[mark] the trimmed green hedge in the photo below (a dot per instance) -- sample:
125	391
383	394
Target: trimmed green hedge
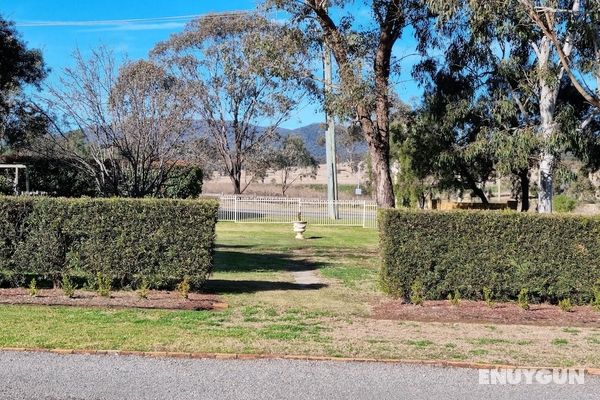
553	256
159	240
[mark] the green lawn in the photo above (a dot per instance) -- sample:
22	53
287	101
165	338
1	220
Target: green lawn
269	313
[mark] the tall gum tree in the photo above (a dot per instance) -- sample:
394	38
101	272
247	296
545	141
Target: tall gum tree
250	74
549	77
365	62
570	43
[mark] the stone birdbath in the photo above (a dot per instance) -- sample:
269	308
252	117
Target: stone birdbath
300	227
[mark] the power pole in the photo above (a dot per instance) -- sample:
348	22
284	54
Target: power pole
332	186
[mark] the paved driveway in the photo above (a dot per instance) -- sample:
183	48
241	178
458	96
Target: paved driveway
51	376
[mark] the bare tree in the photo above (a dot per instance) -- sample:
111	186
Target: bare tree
130	123
247	72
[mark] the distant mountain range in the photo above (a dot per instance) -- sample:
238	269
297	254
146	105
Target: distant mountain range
311	134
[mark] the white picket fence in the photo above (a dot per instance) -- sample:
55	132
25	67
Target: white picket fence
285	210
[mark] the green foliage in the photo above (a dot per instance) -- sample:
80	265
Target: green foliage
487	296
184	288
565	305
67	285
596	298
162	240
454	298
33	289
563	203
523	299
417	296
411	181
6	185
184	183
554	256
20	68
103	284
55	176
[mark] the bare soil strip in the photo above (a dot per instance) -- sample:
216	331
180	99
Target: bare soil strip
119	299
480	312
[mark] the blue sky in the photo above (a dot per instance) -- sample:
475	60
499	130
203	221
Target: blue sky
136	39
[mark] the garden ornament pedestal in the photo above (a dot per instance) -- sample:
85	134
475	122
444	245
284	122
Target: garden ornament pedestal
300	227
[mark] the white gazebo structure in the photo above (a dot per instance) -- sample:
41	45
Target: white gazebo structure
17	168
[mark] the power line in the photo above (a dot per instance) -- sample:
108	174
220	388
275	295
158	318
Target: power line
131	21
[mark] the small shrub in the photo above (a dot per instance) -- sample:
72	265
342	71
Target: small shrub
454	298
67	286
103	285
523	299
33	289
184	288
563	203
417	296
143	289
596	298
487	296
565	305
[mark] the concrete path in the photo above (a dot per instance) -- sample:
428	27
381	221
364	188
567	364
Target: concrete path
306	277
52	377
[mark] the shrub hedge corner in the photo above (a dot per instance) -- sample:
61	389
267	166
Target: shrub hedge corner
553	256
159	240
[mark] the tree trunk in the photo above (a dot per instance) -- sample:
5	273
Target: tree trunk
548	95
545	183
477	191
236	178
524	183
384	192
379	151
471	184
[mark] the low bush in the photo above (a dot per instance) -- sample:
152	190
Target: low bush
553	256
124	240
563	204
565	305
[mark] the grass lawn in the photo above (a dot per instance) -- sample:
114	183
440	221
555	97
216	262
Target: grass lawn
270	313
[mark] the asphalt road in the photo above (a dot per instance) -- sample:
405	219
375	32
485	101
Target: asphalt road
50	376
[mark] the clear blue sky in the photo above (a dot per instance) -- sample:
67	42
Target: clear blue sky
136	39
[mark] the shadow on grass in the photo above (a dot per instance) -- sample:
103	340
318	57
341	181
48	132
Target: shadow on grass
239	261
221	286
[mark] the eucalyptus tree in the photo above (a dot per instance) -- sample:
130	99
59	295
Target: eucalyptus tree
19	67
364	54
293	161
569	47
249	75
529	96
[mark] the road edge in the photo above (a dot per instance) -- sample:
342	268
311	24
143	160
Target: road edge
238	356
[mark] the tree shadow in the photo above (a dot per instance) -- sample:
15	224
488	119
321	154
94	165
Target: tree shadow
240	261
228	259
221	286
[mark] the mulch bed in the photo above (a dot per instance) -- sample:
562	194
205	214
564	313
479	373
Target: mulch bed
479	312
118	299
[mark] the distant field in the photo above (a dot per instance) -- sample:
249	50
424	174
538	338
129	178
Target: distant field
307	187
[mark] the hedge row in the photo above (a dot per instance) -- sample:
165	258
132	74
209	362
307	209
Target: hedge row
554	256
161	241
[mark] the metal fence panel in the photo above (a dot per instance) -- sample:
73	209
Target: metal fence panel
286	210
